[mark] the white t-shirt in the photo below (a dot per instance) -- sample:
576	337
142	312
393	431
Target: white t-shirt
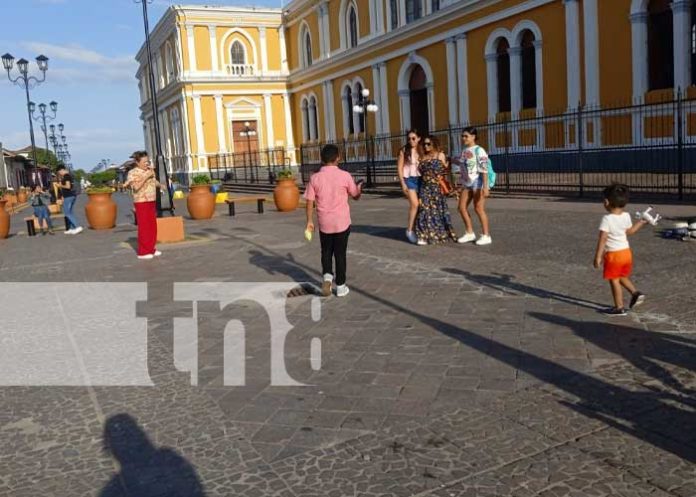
472	163
616	225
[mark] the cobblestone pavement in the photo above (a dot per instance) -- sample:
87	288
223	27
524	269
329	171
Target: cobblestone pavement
448	371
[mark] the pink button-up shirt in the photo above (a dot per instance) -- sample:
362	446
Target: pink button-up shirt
330	188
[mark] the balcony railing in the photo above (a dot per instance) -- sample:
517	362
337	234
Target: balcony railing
241	70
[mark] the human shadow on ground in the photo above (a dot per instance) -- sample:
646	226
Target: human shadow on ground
643	349
630	411
389	232
504	283
145	470
277	264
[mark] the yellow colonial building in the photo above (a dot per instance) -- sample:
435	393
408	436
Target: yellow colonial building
296	74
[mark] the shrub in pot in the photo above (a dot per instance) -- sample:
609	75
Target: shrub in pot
101	210
286	195
201	201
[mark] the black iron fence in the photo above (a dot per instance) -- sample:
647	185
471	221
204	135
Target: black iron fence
651	147
256	166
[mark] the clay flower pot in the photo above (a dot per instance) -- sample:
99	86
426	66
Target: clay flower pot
4	220
21	197
201	202
286	195
101	211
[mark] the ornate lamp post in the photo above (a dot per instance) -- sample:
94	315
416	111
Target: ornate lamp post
27	83
43	117
362	107
248	133
164	202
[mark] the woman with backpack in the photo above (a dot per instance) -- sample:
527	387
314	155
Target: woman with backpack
474	167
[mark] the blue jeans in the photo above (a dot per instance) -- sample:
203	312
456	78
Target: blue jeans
68	204
41	213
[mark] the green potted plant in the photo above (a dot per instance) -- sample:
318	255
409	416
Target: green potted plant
101	210
286	194
201	201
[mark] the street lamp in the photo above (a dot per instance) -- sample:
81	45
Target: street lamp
362	107
43	117
26	82
249	132
164	202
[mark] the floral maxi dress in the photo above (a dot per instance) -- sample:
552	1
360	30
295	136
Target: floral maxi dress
433	224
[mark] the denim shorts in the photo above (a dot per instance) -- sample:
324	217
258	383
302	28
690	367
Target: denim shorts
476	185
412	182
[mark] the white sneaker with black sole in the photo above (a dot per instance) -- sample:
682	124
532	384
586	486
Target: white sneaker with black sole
342	290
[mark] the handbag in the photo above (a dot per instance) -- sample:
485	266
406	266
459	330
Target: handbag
445	185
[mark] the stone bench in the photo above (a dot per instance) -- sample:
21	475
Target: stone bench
258	199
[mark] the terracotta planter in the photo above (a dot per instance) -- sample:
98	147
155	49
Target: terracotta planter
22	197
201	202
286	195
101	211
4	221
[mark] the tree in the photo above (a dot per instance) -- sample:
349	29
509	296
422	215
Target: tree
47	158
79	174
102	178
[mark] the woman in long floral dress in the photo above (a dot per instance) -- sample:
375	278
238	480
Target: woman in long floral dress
434	224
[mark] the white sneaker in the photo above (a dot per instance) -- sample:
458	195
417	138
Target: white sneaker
326	285
77	230
411	236
468	237
342	290
146	257
421	242
69	232
484	240
157	253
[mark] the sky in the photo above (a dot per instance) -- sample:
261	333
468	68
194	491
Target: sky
91	45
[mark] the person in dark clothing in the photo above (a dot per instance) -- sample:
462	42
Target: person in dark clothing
67	191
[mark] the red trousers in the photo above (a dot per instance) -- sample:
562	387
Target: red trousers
146	216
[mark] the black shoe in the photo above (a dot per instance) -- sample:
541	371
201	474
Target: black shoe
43	232
615	311
637	299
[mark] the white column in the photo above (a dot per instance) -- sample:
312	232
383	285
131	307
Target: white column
198	118
402	15
264	49
324	41
591	52
268	109
165	133
380	16
405	109
384	104
462	77
539	75
572	24
212	30
327	118
639	35
289	142
332	118
191	48
452	80
426	7
372	16
681	15
320	21
220	116
431	105
492	84
515	80
283	50
388	15
377	96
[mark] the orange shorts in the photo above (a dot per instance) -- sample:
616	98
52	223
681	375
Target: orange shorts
618	264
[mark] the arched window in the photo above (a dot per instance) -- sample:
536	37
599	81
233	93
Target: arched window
413	10
305	120
529	82
169	63
237	53
314	119
660	45
434	5
394	13
361	116
418	99
352	27
348	109
306	43
503	63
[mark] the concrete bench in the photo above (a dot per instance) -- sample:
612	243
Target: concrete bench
258	199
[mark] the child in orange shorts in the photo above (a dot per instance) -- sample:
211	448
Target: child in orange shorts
614	249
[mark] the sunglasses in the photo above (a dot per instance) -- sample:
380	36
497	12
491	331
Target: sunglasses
427	144
413	139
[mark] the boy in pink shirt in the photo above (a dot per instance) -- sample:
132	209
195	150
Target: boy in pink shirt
329	188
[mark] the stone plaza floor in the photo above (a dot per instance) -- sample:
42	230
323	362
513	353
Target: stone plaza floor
448	371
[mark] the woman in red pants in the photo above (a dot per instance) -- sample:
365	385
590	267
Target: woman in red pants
144	185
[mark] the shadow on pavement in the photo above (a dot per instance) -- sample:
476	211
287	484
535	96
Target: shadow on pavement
389	232
504	283
146	471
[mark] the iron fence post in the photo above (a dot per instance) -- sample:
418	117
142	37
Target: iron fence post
581	178
507	156
680	145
